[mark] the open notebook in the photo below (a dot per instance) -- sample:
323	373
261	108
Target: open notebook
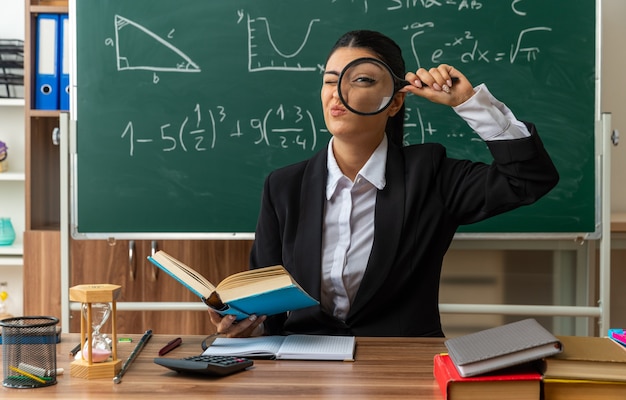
292	347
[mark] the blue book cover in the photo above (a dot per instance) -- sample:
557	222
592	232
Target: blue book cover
263	291
618	335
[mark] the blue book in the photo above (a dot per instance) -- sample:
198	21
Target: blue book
263	291
618	335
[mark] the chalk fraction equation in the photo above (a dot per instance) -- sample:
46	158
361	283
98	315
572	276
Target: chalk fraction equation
282	127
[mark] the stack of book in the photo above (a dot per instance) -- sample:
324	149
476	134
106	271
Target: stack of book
496	363
523	361
588	368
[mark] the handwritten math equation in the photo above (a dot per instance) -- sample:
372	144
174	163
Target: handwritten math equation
464	46
294	127
284	128
458	5
266	51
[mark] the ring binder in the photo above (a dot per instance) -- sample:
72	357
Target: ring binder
64	63
47	73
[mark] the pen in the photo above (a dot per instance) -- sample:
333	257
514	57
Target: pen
144	339
40	372
170	346
77	348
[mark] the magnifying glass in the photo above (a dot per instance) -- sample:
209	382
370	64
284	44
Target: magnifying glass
367	86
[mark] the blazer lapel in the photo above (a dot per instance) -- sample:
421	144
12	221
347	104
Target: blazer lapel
308	242
388	223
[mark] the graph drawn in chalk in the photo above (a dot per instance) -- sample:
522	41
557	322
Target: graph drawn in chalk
137	48
265	54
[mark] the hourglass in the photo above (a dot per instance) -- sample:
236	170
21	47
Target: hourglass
100	348
98	358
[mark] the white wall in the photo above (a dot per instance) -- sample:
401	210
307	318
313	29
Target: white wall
12	19
12	126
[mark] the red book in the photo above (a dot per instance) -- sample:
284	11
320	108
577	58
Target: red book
521	382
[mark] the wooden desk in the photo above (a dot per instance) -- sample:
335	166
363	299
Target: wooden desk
385	368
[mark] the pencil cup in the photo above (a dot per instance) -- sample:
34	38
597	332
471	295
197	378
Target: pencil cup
29	355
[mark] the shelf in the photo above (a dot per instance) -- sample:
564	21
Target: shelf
50	227
16	249
11	102
13	261
12	176
44	113
49	9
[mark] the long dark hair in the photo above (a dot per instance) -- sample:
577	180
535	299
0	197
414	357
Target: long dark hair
390	53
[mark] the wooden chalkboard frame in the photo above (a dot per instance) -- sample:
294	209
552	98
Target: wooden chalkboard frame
590	231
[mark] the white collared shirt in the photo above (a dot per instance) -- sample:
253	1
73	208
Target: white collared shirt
348	232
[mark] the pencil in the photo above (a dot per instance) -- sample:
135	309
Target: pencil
29	375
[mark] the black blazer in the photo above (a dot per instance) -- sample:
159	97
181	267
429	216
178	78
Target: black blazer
426	197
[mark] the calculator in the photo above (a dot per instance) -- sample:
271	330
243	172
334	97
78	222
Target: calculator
205	364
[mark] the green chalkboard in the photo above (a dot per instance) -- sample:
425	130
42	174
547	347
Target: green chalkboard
184	106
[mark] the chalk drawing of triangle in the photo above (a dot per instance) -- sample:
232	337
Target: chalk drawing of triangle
137	48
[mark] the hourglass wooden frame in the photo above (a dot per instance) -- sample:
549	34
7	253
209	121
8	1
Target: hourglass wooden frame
88	294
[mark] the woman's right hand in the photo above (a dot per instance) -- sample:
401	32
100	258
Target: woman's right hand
436	85
226	325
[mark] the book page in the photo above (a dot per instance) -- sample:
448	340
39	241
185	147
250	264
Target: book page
262	346
233	292
317	347
292	347
252	275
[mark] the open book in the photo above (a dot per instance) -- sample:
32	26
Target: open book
291	347
263	291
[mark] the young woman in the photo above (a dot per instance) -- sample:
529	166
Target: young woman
364	224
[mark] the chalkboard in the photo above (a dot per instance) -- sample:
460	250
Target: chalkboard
184	106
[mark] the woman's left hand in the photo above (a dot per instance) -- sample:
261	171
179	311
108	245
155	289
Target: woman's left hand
251	326
443	85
